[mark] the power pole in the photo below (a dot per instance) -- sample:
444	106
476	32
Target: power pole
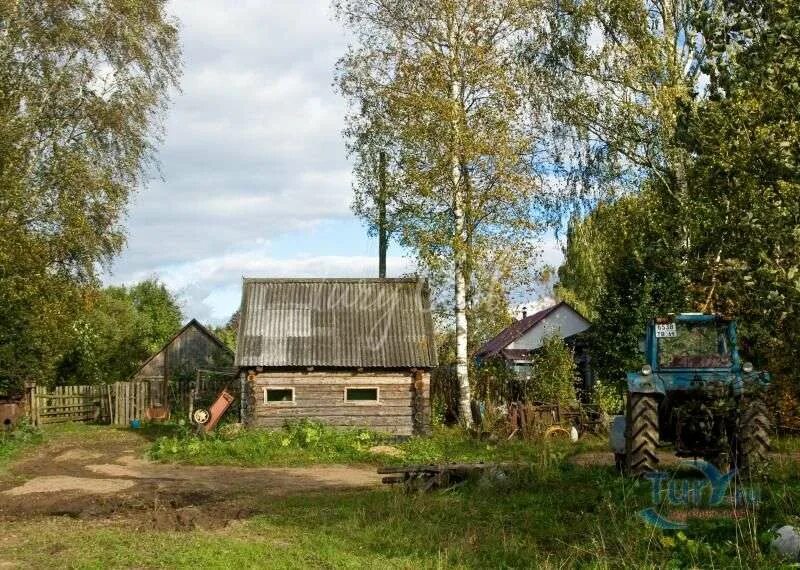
383	241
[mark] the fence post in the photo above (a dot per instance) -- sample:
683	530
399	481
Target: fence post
30	401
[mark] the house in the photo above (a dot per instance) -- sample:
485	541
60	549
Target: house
346	352
517	343
191	348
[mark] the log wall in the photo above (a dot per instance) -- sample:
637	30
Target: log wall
403	406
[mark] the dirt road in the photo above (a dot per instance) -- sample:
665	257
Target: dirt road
103	475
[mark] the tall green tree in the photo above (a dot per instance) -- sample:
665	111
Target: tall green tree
443	86
83	85
733	246
746	176
622	74
121	327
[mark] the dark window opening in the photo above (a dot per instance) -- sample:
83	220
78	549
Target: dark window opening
362	395
280	395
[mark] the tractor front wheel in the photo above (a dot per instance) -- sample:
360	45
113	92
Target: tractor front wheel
751	441
642	434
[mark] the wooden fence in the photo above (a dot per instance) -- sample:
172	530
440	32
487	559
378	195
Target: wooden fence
67	404
121	402
130	400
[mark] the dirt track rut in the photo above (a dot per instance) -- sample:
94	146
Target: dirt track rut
105	476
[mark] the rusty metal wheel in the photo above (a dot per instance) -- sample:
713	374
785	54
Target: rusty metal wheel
201	416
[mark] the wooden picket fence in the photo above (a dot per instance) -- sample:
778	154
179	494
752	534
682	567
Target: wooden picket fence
67	404
120	402
130	400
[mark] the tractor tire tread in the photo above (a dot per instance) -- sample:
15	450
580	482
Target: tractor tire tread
753	435
643	439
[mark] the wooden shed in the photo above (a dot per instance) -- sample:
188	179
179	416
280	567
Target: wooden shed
346	352
192	347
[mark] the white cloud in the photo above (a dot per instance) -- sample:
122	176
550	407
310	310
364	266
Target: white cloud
253	149
253	162
210	287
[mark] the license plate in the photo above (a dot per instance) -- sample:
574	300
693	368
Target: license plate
666	330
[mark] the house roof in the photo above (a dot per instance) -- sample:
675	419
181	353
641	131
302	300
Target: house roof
192	323
515	330
368	323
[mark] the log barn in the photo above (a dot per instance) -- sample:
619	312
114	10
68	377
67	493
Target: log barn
345	352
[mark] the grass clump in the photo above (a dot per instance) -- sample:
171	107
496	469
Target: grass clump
301	443
308	442
14	442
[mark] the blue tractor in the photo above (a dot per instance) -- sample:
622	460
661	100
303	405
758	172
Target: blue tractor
694	392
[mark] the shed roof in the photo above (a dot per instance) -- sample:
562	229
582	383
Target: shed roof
367	323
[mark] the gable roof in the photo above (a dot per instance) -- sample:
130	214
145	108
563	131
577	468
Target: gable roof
192	323
375	323
517	329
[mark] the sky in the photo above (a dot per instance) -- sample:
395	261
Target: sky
254	179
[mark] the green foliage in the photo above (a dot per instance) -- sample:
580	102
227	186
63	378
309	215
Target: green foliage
439	90
607	396
14	442
553	373
120	329
158	314
84	87
727	239
308	442
497	383
228	333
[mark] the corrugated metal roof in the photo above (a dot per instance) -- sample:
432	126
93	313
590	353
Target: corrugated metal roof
369	323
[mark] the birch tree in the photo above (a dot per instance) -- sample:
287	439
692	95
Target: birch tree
83	88
624	72
444	79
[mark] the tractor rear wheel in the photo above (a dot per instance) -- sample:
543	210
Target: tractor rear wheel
751	441
642	437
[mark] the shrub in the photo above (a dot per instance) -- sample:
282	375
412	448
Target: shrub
553	373
607	397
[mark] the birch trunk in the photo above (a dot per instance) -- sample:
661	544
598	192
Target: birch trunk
459	243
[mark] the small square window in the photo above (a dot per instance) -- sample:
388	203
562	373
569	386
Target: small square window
278	395
361	394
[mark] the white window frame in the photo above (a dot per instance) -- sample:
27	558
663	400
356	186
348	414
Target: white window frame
281	403
374	402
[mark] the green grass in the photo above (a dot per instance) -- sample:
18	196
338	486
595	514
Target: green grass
785	444
14	443
551	517
308	443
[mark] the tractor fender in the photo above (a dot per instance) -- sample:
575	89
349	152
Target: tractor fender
641	384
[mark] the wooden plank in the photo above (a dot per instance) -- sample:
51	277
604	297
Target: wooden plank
302	380
86	404
115	402
65	398
345	421
290	411
301	401
126	402
329	373
120	398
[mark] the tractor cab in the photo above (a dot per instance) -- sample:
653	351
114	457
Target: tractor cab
690	351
